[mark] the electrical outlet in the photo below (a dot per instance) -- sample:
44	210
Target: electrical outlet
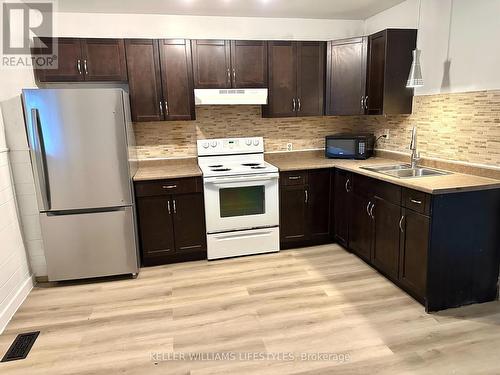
289	147
386	132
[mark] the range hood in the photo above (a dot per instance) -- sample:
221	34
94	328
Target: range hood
230	96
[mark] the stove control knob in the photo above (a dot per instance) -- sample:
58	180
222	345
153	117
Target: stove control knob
248	142
213	143
255	142
205	144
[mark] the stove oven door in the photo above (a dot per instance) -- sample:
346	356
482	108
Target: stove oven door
241	202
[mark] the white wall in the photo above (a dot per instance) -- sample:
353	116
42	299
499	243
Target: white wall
199	27
15	278
470	61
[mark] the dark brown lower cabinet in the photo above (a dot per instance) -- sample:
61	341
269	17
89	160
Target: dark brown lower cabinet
342	183
293	214
386	219
189	222
171	220
156	229
304	208
360	226
318	199
442	249
413	255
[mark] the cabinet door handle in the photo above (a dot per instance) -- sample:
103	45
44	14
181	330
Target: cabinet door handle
166	108
401	224
169	186
362	102
371	211
234	76
79	66
161	109
306	196
415	201
347	185
294	177
228	76
366	102
175	208
299	104
85	67
294	105
368	208
168	207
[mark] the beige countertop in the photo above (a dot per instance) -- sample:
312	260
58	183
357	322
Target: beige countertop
455	182
168	168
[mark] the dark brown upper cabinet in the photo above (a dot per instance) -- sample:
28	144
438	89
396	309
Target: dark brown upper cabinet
211	64
389	62
143	65
249	64
160	79
97	60
296	79
177	79
346	76
368	75
229	64
104	60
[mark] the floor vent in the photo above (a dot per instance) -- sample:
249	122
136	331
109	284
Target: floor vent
21	346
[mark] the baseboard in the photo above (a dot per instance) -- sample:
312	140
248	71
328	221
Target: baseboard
15	302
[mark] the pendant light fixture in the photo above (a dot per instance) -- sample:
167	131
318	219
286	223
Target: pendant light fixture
415	78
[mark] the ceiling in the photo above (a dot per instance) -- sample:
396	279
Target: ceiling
321	9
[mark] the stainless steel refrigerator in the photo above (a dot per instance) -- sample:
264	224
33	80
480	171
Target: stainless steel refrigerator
81	145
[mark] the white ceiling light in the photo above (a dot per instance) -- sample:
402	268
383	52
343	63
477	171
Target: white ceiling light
415	78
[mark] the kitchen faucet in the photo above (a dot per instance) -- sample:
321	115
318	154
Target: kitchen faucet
415	155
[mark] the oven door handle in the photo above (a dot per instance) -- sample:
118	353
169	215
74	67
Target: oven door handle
229	180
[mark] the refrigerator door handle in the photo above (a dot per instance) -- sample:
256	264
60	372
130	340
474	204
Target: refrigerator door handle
40	161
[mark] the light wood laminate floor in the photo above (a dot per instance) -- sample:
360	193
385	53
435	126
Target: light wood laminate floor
312	300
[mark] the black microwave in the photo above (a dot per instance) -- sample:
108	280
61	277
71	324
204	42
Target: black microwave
349	146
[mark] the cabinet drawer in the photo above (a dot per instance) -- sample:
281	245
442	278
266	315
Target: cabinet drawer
293	178
363	185
417	201
171	186
387	191
368	187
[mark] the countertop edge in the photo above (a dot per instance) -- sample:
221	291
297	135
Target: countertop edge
399	182
167	177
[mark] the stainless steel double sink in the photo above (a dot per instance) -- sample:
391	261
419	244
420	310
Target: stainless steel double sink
405	171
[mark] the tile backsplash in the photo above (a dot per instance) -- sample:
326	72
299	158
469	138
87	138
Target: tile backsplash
462	127
178	138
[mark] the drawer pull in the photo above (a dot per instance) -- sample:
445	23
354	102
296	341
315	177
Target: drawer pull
190	247
294	177
415	201
401	224
169	186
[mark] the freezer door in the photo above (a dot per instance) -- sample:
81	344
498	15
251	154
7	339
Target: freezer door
78	145
87	245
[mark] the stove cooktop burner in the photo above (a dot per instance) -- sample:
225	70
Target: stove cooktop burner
250	164
258	167
221	169
215	166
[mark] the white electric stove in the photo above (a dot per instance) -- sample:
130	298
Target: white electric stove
241	197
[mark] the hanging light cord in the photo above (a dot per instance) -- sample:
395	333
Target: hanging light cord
418	20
